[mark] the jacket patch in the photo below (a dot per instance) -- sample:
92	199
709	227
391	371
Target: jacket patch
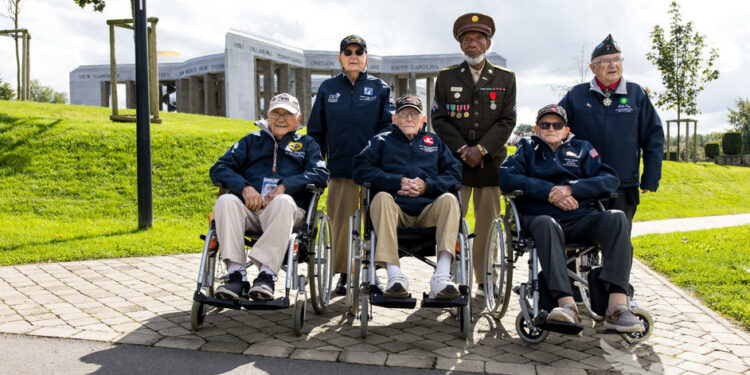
571	161
428	140
572	154
593	153
624	107
368	91
294	146
457	88
334	98
428	148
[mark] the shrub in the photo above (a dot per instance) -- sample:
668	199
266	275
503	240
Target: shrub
712	149
672	155
731	143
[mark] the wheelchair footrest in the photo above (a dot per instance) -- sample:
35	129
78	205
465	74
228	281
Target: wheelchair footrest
442	302
560	327
276	304
378	299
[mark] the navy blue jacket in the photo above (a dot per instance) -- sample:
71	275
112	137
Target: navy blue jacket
622	132
535	169
390	155
345	116
295	160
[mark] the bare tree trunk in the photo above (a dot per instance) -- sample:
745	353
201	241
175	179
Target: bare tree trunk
14	10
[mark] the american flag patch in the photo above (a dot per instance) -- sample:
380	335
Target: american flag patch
593	153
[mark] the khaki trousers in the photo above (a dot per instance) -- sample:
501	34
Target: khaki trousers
387	216
486	207
276	221
344	198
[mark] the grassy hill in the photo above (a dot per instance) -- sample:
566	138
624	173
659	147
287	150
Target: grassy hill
68	183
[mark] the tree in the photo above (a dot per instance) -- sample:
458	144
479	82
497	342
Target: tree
97	4
14	9
6	92
523	130
740	120
46	94
680	60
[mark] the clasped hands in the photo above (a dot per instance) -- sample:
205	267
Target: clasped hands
562	197
253	199
412	187
471	156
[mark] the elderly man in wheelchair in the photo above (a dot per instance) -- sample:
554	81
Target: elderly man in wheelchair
411	172
560	177
267	173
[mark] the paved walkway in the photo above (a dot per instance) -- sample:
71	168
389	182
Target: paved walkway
147	301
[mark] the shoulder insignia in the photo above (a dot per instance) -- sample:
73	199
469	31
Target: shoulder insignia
450	67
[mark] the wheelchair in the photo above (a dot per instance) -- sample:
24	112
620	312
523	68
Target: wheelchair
309	243
506	243
363	291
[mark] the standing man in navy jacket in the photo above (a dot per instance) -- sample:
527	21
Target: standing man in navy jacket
349	109
559	176
411	172
618	118
266	173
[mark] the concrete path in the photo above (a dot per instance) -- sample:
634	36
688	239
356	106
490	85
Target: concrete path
689	224
146	301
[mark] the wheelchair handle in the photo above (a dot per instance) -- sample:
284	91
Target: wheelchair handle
315	189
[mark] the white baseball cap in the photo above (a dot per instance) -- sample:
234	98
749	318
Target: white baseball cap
285	101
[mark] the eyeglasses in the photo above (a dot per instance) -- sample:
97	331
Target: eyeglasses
554	125
286	116
409	114
616	61
349	52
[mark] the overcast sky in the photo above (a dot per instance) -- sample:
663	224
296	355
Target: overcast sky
541	40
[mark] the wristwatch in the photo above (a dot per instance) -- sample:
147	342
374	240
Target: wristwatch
482	150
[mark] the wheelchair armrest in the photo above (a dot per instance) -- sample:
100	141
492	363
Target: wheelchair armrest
513	194
315	189
367	185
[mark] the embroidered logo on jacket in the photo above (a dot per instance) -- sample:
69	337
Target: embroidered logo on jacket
368	91
334	98
428	140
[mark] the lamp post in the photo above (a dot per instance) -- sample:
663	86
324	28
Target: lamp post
143	120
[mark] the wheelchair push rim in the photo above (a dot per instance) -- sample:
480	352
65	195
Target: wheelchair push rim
498	273
319	267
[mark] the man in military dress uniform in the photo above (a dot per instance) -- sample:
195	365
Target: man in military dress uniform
618	118
474	113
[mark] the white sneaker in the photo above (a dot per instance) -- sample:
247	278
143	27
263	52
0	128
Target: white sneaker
397	287
441	286
566	313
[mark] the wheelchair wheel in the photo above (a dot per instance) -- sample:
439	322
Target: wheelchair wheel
464	320
498	275
648	323
298	318
364	316
319	268
469	243
531	336
197	315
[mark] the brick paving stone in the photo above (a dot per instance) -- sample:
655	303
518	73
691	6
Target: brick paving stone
137	338
97	335
510	368
54	332
363	358
16	327
398	360
178	342
466	365
315	355
224	347
556	370
734	366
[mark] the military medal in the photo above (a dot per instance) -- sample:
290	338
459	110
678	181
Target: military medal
607	101
466	115
457	95
493	96
453	110
458	115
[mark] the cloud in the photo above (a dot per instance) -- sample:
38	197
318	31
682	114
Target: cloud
539	39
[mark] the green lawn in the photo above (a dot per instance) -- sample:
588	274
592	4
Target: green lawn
712	264
68	183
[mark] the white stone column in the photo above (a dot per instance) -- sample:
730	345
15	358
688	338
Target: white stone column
239	84
430	98
284	78
268	80
412	83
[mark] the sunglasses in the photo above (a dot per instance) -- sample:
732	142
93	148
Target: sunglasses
359	52
554	125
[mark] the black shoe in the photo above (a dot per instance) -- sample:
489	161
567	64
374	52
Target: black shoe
234	288
262	289
341	285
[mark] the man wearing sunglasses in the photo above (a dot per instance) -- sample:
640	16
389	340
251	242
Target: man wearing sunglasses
560	176
474	113
618	118
349	109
